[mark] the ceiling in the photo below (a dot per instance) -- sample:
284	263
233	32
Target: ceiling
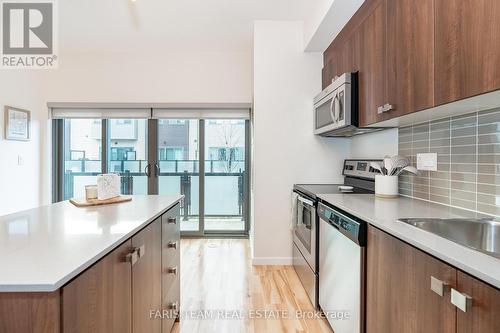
168	25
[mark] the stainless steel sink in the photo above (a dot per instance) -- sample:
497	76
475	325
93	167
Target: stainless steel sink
479	234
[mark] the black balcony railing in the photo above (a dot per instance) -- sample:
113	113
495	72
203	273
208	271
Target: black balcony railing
175	169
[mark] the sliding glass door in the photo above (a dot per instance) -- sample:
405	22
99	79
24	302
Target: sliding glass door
225	175
127	153
206	160
179	167
81	156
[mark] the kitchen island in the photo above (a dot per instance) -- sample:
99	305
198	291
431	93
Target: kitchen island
95	269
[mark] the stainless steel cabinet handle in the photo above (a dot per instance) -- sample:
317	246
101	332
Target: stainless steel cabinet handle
172	270
172	220
133	256
141	251
439	287
384	108
172	245
136	254
460	300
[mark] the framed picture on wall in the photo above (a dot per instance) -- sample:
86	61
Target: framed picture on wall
17	124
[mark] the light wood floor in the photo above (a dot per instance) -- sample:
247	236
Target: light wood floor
219	282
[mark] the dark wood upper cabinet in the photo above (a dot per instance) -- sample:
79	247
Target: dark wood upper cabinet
147	278
100	299
483	316
399	295
369	57
467	57
410	55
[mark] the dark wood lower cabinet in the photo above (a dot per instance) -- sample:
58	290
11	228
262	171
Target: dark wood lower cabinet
30	312
399	297
484	314
171	266
100	299
146	280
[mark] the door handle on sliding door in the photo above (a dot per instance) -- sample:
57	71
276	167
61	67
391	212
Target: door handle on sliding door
147	170
157	170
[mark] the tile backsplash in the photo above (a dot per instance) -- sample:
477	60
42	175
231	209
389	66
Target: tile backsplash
468	150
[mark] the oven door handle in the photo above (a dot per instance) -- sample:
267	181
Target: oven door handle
306	201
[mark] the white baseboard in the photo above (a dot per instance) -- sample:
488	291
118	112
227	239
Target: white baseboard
286	261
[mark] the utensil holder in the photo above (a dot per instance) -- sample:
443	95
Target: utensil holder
386	186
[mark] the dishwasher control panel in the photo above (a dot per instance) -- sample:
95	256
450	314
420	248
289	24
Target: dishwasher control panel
349	226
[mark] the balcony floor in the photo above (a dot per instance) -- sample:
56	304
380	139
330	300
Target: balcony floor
217	224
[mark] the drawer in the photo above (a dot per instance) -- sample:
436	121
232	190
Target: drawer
171	271
171	303
171	224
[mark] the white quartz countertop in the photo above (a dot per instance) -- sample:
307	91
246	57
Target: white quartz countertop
384	214
43	248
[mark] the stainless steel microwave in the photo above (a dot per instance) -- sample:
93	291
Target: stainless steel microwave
336	111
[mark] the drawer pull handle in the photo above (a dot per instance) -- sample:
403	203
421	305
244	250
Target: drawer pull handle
172	220
133	256
384	108
136	254
172	270
439	287
172	245
460	300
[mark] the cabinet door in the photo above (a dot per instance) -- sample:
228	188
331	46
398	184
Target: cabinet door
467	48
410	55
99	300
369	51
170	265
399	297
146	279
483	316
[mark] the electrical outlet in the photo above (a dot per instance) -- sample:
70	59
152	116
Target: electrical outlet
427	161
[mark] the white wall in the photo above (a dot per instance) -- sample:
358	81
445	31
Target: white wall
326	20
285	150
20	185
375	145
149	77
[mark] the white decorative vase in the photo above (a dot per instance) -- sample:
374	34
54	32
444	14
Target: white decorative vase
386	186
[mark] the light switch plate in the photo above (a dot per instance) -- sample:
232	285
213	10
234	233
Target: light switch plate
20	160
427	161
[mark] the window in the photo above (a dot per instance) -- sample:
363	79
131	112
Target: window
82	159
171	154
226	153
122	153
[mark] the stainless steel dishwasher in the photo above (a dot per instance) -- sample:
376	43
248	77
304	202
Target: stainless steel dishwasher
342	276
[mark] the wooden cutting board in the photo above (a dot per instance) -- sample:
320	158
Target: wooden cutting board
94	202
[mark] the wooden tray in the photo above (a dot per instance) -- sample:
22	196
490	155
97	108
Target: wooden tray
94	202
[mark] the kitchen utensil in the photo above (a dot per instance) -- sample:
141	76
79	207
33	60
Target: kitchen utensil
388	164
398	162
376	166
409	168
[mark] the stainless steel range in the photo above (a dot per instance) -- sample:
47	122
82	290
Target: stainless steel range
359	179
